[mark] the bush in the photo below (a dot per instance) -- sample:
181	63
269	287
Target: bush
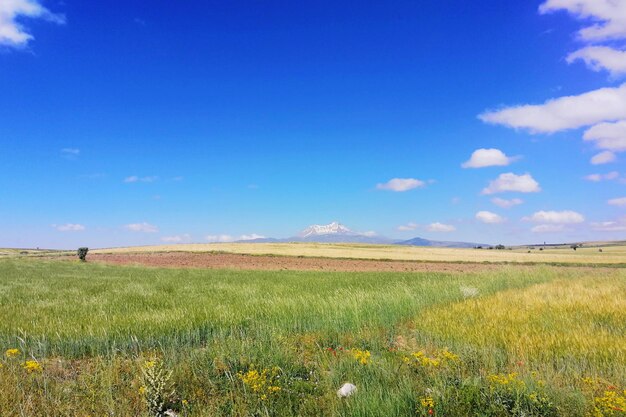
82	253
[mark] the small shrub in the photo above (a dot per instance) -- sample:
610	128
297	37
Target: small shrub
82	253
157	389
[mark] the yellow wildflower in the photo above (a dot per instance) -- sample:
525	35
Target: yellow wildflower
362	356
11	353
32	366
262	383
439	359
609	403
428	402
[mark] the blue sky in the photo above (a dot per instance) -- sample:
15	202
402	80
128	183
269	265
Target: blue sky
125	123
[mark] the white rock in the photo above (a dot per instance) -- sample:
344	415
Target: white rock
346	390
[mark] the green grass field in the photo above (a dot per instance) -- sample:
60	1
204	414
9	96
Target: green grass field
533	341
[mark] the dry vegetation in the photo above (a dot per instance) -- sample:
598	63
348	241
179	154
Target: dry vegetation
611	254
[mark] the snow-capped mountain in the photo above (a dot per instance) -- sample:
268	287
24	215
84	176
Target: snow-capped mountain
336	232
333	228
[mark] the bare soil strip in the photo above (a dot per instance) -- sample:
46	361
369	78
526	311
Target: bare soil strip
259	262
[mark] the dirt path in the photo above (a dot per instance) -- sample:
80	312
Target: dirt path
236	261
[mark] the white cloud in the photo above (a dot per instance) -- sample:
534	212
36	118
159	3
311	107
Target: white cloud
251	236
598	58
440	227
14	34
607	17
219	238
401	184
608	136
603	109
603	158
70	153
69	227
548	228
511	182
487	158
620	202
407	227
556	217
141	227
613	175
177	238
594	177
135	178
489	217
501	202
569	112
610	226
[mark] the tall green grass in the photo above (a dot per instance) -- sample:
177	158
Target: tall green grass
91	327
75	309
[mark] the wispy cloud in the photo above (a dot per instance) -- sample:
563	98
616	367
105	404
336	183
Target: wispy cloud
489	217
563	113
219	238
599	58
604	157
607	17
482	158
401	184
70	153
554	221
613	175
141	227
440	227
548	228
556	217
504	203
407	227
610	226
69	227
251	236
620	202
177	238
12	32
135	178
511	182
608	136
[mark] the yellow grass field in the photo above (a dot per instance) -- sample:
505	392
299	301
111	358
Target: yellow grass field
611	254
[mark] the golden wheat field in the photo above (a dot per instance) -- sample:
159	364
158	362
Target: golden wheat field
610	254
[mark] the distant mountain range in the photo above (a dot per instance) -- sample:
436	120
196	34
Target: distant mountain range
338	233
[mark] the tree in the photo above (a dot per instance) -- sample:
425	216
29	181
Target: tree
82	253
